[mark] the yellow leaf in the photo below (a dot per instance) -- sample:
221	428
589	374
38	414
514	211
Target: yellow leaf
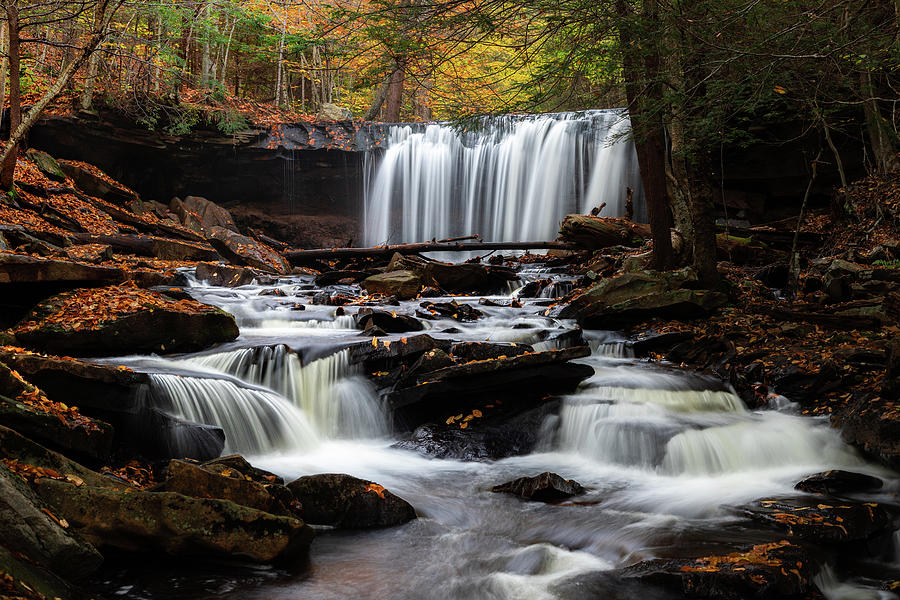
387	343
779	90
476	413
375	342
463	425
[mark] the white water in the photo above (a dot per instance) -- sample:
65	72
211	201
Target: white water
512	178
664	454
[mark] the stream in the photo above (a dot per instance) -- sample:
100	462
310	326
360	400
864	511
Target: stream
663	454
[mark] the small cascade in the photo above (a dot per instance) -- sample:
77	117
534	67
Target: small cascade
254	421
611	349
513	177
338	400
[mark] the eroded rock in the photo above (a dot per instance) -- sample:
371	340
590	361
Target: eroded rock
546	487
347	502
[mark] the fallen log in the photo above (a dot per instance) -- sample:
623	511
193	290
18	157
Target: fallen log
827	320
594	233
303	256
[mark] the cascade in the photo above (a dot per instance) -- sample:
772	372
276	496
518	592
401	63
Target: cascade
336	398
512	177
254	421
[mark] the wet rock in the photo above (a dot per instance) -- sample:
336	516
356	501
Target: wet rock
277	292
818	521
462	277
332	299
873	425
390	322
26	528
24	579
774	570
430	292
524	377
546	487
90	253
224	275
402	284
349	503
342	277
130	320
222	482
380	356
427	363
178	525
469	351
802	386
662	342
46	164
836	482
458	311
161	436
243	250
238	463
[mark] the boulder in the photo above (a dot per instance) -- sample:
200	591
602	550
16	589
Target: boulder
469	351
161	436
95	182
201	215
46	164
18	268
389	322
347	502
458	311
20	578
633	296
238	463
838	279
815	520
546	487
28	527
873	425
402	284
333	112
243	250
225	483
773	570
122	320
176	524
838	482
461	277
343	277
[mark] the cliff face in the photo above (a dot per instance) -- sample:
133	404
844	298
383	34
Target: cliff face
302	181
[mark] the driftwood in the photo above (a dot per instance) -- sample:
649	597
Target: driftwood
594	233
296	257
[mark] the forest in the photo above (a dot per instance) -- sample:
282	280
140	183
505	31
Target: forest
450	299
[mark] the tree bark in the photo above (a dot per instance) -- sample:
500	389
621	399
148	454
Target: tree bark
883	149
641	62
4	62
378	100
395	92
296	257
703	220
11	149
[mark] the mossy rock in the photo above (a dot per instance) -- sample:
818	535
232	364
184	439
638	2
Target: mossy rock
46	164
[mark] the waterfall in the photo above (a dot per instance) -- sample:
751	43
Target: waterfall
254	421
513	177
338	400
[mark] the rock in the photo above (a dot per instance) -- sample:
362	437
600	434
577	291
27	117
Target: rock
240	464
277	292
873	425
429	362
224	483
243	250
774	570
496	435
95	182
333	112
402	284
458	311
890	388
18	268
333	277
46	164
122	320
158	435
837	482
379	356
90	253
389	322
462	277
469	351
332	299
814	520
202	215
26	528
838	279
224	275
653	342
346	502
804	387
520	377
546	487
635	296
178	525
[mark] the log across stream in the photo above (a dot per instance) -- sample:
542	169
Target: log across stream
667	459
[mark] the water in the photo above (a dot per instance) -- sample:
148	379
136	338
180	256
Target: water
511	178
663	454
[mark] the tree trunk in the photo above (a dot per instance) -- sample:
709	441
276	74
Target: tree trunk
11	150
378	100
4	62
20	125
704	223
395	92
883	149
641	62
205	50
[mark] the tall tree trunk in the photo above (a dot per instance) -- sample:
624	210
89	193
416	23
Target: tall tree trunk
641	61
378	99
703	219
11	150
205	49
883	148
395	92
279	87
4	62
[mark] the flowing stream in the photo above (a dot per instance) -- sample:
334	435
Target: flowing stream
663	455
506	178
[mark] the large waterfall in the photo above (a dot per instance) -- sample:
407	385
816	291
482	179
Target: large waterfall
508	178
